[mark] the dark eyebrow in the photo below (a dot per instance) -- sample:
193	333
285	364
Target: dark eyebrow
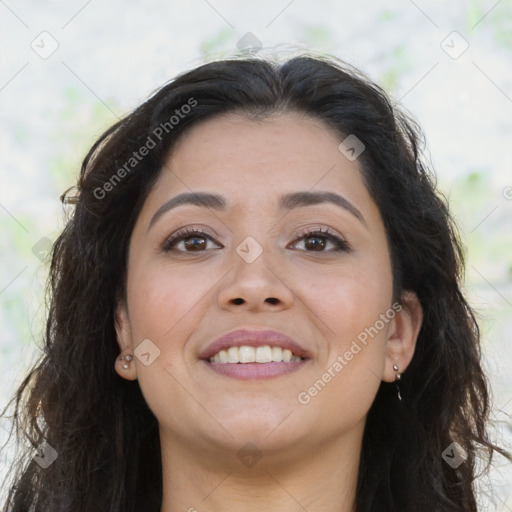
299	199
202	199
286	202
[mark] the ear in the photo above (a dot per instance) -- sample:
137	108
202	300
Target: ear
124	340
403	333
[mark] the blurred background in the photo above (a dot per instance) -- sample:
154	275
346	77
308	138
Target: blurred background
71	69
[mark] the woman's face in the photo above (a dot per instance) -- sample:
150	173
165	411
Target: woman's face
255	266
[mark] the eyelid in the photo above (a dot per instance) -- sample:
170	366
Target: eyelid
183	233
317	229
324	232
321	231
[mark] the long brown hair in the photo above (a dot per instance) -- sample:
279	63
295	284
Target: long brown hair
99	424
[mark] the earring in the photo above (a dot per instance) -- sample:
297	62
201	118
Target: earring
397	380
128	358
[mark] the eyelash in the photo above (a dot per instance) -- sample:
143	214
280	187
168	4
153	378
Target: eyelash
340	243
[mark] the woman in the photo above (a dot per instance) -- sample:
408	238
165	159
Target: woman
256	305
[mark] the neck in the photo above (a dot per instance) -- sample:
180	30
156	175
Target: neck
301	477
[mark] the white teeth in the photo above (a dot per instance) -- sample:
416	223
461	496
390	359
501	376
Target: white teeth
277	354
223	356
233	355
264	354
246	354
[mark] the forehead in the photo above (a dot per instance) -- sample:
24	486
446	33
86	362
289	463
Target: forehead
237	155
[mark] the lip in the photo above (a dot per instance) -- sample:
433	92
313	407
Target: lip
255	371
254	338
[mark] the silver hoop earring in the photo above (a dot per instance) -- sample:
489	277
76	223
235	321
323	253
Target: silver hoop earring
397	381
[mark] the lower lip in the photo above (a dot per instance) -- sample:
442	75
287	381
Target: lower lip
255	371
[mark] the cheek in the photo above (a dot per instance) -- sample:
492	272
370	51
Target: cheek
349	298
163	300
343	388
348	304
165	306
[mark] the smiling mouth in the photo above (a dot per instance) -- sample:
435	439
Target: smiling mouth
261	355
255	363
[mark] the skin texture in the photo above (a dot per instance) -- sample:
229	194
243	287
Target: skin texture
182	301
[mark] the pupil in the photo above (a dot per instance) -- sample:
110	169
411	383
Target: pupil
191	245
319	243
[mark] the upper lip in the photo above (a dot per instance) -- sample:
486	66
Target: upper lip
254	338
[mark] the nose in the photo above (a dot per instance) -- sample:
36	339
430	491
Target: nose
255	284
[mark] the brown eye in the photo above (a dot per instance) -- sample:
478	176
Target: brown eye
194	240
315	243
195	243
317	240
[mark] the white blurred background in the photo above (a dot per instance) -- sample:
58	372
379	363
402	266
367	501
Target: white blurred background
70	69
